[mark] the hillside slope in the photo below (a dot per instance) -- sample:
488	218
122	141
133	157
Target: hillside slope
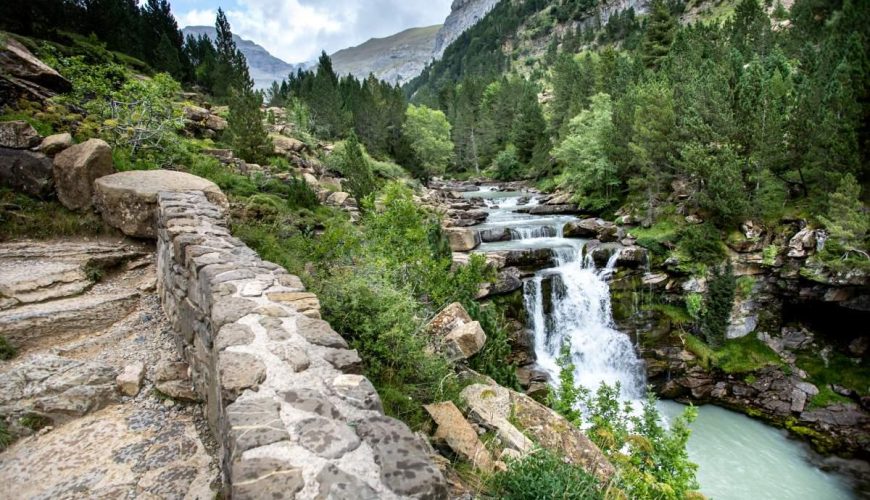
395	59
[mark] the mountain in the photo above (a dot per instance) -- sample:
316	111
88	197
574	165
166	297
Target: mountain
263	66
463	15
395	59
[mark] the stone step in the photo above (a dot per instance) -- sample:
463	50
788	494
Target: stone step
31	324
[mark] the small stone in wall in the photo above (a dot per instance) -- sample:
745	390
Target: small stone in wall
239	371
258	478
130	380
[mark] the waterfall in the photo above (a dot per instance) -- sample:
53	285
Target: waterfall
579	314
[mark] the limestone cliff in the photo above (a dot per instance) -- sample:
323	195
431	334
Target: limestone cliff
463	15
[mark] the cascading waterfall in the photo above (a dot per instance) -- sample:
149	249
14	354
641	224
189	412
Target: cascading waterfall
580	316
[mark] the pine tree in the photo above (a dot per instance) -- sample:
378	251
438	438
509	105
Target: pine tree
360	179
231	70
847	222
327	112
659	34
245	129
652	144
717	305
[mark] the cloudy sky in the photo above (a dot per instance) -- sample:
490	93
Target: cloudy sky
297	30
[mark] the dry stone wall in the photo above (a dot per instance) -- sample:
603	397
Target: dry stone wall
282	390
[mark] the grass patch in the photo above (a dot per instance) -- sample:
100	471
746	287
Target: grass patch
7	350
702	351
44	128
34	421
744	355
839	370
542	474
24	217
658	238
678	316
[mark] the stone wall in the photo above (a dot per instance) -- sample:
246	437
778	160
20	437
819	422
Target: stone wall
283	393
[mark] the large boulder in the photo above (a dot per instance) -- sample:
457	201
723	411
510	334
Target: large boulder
77	167
128	200
460	336
459	435
516	418
18	135
25	171
462	239
285	145
23	75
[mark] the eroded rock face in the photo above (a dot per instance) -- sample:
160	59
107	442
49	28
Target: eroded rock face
128	200
463	15
26	172
18	135
23	75
77	167
55	388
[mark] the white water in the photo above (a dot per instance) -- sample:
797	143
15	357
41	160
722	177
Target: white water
739	458
581	318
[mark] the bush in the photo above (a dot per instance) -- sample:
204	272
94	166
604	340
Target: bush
543	475
7	350
506	166
702	244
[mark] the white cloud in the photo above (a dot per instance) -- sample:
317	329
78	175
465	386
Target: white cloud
297	30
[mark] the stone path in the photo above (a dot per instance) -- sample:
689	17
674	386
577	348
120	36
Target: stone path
79	313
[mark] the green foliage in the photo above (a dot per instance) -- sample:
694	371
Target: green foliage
835	369
5	436
568	395
246	132
702	243
706	356
848	225
360	180
507	166
695	305
492	359
588	170
428	134
7	350
34	421
718	172
378	283
744	286
544	475
717	305
769	255
659	35
744	355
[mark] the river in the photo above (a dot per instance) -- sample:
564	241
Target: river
739	458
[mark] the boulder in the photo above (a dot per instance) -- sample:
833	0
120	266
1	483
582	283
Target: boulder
75	170
462	239
285	145
195	113
18	135
450	317
128	200
56	143
216	123
599	229
461	336
802	243
23	75
25	171
458	434
464	341
633	256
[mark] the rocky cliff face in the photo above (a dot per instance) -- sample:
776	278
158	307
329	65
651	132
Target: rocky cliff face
264	67
395	59
463	15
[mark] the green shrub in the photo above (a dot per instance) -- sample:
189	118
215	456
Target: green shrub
34	421
506	166
5	436
543	475
7	350
24	217
702	243
491	360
